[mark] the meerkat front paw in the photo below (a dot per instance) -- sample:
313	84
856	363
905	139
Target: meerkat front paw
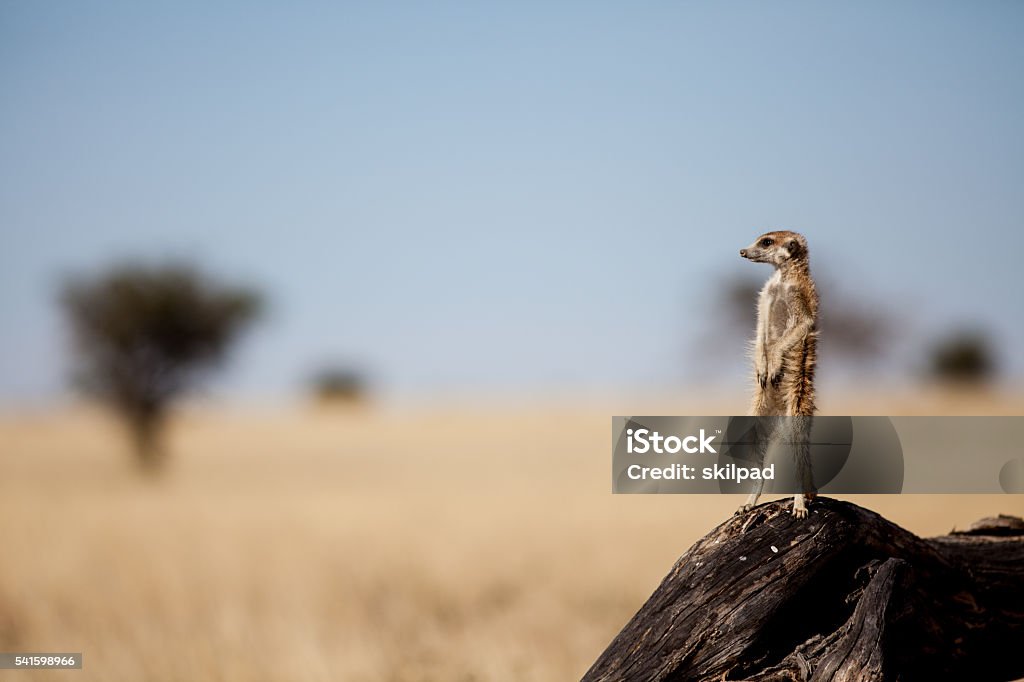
744	508
761	369
773	372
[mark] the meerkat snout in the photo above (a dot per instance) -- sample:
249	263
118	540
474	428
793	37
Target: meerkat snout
776	248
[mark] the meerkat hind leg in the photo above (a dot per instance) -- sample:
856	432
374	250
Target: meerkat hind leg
801	435
752	499
799	506
764	430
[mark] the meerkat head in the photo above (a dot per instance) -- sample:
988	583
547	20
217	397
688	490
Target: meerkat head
778	248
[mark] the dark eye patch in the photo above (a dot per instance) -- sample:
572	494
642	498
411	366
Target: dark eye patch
767	242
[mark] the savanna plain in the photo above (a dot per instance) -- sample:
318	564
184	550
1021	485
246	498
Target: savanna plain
457	543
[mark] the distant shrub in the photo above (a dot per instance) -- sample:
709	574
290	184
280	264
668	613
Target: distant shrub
339	385
964	356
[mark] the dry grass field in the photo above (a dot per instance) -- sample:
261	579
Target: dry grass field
317	544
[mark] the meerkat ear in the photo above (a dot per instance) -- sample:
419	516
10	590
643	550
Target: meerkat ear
793	247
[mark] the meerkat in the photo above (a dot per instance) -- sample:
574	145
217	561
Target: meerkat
785	356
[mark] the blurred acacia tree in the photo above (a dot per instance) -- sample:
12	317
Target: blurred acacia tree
144	336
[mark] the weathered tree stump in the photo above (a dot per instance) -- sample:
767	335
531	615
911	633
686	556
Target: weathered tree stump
841	595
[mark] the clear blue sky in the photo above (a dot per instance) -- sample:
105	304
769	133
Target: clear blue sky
513	195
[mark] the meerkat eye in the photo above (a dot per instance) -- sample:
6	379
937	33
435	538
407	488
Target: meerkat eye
765	243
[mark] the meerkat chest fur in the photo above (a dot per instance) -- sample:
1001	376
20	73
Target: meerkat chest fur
773	310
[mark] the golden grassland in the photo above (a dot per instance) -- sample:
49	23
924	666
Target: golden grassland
318	544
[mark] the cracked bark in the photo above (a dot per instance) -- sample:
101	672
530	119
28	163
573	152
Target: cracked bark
844	595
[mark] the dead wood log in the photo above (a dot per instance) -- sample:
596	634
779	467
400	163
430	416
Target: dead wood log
842	595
